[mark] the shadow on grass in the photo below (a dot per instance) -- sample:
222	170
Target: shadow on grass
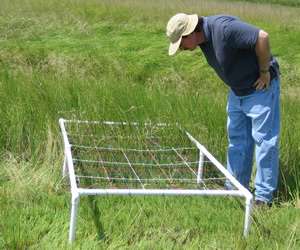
96	217
93	204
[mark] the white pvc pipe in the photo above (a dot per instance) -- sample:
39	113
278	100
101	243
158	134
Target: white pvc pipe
248	215
200	167
64	166
219	166
73	218
68	156
76	192
245	193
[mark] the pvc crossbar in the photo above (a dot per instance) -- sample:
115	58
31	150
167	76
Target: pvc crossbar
77	191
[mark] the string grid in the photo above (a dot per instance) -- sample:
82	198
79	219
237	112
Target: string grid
138	156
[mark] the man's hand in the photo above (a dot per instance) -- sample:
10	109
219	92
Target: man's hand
262	81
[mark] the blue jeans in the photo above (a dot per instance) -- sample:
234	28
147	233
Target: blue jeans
254	120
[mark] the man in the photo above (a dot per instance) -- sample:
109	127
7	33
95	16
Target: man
240	55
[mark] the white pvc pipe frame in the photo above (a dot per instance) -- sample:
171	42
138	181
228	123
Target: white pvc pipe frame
77	192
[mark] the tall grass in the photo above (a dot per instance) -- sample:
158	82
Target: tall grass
107	60
295	3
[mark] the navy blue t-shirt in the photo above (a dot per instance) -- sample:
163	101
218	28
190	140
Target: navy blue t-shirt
229	50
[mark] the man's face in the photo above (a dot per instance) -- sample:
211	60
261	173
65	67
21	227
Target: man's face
188	42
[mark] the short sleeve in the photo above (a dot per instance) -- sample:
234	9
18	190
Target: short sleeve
240	35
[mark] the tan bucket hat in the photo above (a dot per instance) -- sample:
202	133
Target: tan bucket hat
178	26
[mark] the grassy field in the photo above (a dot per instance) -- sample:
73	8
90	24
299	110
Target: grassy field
295	3
107	60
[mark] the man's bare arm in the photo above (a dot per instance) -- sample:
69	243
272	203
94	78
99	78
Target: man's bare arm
262	50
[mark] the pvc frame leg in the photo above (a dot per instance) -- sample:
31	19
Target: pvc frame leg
247	216
64	167
74	208
200	167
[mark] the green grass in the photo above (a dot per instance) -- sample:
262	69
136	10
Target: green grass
107	60
294	3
